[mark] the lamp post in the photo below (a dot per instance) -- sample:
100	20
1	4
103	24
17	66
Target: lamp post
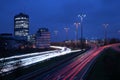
66	30
76	33
105	33
76	25
81	18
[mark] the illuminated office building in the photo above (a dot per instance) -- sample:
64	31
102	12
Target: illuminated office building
21	25
43	38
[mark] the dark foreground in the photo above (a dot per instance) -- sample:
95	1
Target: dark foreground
107	66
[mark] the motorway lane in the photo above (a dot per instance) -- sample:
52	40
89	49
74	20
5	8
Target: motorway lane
54	70
31	58
116	47
85	62
46	72
88	67
69	71
72	69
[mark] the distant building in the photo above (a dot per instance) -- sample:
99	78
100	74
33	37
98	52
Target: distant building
7	41
21	25
31	38
43	38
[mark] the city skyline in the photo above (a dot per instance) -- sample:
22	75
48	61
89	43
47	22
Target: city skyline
56	15
59	39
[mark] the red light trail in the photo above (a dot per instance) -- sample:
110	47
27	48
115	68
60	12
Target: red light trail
70	71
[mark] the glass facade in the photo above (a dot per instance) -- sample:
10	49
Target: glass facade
21	25
43	38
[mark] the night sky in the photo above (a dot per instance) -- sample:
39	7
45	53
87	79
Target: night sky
57	14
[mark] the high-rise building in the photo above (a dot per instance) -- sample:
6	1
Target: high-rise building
43	38
21	25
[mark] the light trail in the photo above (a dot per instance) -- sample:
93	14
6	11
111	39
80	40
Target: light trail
66	70
34	58
32	54
70	71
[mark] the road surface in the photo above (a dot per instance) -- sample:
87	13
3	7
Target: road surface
31	58
75	69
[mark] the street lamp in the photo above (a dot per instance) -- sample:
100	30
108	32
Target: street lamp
105	33
76	25
66	30
81	18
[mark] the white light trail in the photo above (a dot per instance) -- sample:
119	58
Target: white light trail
34	58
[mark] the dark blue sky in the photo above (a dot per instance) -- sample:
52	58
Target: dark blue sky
57	14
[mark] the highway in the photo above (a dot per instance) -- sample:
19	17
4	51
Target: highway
74	69
32	58
70	71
